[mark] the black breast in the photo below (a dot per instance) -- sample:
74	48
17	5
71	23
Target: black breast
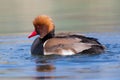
37	47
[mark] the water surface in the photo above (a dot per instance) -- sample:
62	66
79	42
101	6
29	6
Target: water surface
16	62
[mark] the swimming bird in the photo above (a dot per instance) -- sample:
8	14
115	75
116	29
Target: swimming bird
62	43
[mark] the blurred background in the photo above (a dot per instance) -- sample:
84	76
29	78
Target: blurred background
16	16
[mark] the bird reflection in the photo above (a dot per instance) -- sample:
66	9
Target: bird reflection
45	68
44	64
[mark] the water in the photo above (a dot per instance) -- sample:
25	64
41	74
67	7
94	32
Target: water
16	62
99	19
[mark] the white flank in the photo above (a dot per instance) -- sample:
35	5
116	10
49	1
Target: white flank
63	52
67	52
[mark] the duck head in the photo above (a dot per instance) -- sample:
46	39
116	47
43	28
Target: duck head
43	26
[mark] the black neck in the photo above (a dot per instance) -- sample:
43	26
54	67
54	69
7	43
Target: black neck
48	36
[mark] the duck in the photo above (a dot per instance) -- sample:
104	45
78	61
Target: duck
63	43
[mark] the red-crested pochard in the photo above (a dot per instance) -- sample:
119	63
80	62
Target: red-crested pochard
60	44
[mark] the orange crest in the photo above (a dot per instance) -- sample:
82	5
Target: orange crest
44	20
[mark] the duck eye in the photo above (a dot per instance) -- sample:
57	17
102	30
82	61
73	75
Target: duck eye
37	29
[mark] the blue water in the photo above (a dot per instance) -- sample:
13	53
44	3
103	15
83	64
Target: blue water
16	61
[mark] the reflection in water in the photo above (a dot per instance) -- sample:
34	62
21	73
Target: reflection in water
45	68
50	77
43	64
